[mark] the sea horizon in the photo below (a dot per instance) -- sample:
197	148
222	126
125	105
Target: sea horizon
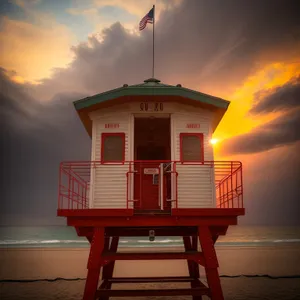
63	236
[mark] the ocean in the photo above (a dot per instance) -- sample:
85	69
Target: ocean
64	236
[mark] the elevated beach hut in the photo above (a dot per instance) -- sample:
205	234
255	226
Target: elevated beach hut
152	173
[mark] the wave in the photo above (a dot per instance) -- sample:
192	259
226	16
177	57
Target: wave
159	241
31	242
259	242
142	243
287	241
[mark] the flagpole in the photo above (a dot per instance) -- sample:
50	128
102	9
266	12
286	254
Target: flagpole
153	41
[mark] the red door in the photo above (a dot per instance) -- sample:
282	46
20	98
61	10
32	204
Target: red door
146	186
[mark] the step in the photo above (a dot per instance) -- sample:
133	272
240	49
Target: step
199	291
150	279
191	255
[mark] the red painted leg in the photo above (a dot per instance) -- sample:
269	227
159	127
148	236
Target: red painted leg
211	263
214	238
194	247
192	265
188	247
94	264
89	238
108	269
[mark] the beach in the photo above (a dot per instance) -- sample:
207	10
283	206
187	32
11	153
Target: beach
70	263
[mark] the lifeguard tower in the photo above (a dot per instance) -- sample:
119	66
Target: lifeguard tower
152	173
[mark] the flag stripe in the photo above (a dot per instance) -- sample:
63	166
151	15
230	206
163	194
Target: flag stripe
148	18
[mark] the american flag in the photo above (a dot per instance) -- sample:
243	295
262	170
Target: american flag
147	19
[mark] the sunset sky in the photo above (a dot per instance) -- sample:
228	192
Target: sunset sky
55	52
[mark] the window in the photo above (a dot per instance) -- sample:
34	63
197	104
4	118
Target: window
191	147
113	147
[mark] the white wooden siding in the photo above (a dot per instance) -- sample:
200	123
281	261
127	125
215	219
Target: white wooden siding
196	187
195	182
110	186
109	181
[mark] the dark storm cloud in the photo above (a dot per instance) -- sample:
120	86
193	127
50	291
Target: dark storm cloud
271	186
20	109
35	138
282	131
281	98
14	101
208	45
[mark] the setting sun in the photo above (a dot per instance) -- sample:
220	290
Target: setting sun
214	141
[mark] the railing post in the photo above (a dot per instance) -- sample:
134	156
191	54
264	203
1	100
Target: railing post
69	189
59	200
78	194
242	189
176	185
231	190
161	185
82	191
128	186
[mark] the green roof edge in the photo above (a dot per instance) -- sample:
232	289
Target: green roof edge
151	90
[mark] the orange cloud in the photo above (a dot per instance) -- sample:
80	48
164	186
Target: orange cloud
34	50
237	121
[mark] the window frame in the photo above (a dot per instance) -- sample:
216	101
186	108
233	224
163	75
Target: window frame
104	135
201	138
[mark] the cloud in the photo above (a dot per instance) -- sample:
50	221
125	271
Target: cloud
271	186
280	98
33	48
35	138
102	14
26	3
139	8
23	113
282	131
213	57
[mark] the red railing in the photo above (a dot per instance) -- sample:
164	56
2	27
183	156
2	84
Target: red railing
75	177
74	181
229	185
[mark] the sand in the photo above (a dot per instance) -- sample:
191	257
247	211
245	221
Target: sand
71	262
49	263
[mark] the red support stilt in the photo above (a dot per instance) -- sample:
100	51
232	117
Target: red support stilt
194	247
108	270
192	265
211	263
94	264
196	283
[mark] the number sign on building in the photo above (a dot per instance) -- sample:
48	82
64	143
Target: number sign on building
112	125
192	125
151	106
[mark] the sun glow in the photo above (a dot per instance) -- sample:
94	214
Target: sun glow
214	141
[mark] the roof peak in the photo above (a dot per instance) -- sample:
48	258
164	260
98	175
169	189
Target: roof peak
152	80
